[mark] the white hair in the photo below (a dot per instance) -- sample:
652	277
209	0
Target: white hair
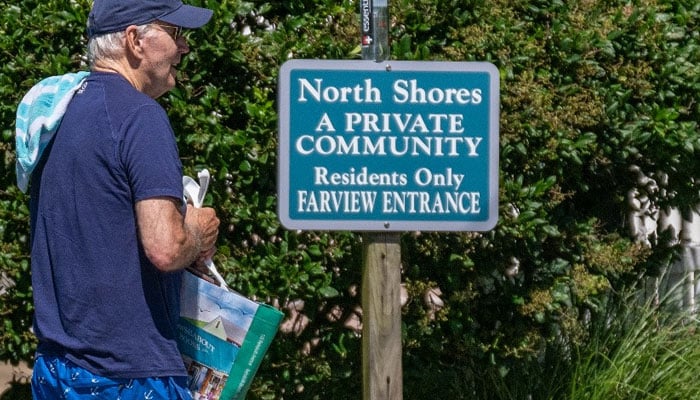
109	46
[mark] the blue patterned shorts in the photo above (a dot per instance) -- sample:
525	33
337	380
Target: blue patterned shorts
55	378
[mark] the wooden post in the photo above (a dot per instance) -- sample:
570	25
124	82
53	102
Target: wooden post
382	373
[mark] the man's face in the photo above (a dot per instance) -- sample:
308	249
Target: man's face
164	48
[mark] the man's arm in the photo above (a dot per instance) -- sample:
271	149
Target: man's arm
171	241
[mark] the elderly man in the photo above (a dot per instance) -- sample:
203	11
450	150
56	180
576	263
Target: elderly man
110	233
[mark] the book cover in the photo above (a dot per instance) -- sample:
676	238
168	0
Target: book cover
223	337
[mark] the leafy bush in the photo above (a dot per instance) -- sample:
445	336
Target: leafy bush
588	88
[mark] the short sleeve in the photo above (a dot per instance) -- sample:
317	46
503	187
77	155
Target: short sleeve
149	154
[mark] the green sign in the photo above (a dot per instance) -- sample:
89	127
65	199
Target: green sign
391	146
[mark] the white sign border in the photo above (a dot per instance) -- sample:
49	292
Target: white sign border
392	225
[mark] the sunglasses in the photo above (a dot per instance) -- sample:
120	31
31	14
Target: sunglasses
172	30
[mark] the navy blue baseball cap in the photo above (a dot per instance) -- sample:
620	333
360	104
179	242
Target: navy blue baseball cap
109	16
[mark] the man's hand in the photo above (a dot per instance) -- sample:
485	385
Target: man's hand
204	223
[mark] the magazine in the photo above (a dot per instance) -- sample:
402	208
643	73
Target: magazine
223	337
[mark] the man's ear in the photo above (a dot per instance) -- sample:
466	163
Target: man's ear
133	42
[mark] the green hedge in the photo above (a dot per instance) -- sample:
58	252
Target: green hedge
588	88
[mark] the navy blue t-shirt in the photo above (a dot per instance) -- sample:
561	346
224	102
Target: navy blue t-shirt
98	299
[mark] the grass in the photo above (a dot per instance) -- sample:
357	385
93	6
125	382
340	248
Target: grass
641	351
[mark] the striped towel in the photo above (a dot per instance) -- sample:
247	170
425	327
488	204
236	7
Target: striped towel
38	117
